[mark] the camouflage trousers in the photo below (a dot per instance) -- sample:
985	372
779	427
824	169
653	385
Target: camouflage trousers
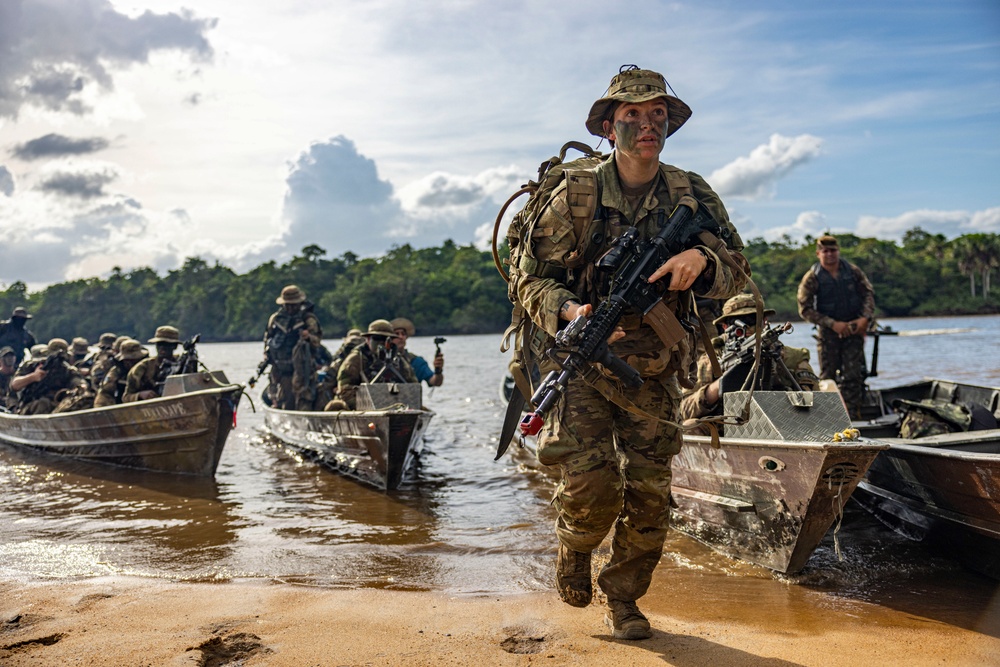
615	472
293	385
843	360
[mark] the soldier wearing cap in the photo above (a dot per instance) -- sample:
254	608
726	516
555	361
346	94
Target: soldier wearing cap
379	357
114	384
614	464
79	355
14	333
41	383
837	297
104	358
145	380
292	337
704	398
404	328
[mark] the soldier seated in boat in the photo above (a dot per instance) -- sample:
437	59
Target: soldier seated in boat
703	399
145	380
378	360
113	386
104	358
43	383
8	366
404	328
80	356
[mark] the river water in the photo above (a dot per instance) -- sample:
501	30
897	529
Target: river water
463	524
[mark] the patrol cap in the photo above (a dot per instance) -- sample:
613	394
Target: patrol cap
827	241
381	328
80	346
405	324
165	334
291	294
57	345
738	306
7	349
131	349
20	311
106	339
634	85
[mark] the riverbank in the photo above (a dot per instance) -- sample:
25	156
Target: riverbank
120	621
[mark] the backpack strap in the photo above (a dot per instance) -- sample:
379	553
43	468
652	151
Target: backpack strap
582	196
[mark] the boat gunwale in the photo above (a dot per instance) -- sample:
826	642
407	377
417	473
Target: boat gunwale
865	445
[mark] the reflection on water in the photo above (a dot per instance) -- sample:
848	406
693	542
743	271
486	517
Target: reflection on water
463	524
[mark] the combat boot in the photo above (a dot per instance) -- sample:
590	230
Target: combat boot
626	621
573	577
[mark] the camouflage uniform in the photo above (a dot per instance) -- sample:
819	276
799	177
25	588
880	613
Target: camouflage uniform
361	365
142	377
293	370
840	359
615	466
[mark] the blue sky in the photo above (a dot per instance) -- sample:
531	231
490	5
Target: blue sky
140	132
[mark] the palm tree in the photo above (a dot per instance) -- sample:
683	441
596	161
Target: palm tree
964	249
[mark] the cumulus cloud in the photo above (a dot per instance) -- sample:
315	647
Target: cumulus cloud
807	223
949	223
6	181
58	145
84	180
55	49
755	176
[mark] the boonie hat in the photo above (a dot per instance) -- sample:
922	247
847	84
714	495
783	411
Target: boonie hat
741	304
131	349
118	342
20	311
57	345
291	294
80	346
7	349
405	324
827	241
634	85
106	340
354	333
39	352
380	328
165	334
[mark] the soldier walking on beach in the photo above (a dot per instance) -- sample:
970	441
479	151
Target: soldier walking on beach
837	297
290	342
615	464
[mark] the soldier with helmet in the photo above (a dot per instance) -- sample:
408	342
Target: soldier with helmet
378	358
704	398
615	463
291	340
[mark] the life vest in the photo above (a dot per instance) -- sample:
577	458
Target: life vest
837	297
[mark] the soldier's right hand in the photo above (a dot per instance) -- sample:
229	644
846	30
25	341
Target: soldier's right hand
147	394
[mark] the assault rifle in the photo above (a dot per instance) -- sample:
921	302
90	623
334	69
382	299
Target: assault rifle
584	342
738	356
186	363
57	376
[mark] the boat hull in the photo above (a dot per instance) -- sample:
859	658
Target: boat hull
182	434
377	447
765	502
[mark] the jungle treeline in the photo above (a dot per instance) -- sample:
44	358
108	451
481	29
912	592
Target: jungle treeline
455	289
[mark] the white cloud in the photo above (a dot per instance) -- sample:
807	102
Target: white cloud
949	223
807	223
755	176
6	181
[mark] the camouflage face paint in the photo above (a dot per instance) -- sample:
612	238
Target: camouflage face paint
637	122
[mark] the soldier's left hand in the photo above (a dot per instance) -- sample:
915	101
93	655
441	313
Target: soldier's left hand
683	268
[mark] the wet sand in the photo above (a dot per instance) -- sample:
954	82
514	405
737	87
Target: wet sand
121	621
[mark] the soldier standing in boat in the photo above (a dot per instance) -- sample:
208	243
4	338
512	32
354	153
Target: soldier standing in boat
145	380
615	464
290	342
15	334
837	297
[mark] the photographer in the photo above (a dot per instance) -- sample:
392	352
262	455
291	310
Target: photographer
40	383
434	378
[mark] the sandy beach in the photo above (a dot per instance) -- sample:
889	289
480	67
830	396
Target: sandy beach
140	622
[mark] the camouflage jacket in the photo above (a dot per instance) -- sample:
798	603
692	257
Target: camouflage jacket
283	333
809	285
142	377
113	385
554	241
361	366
